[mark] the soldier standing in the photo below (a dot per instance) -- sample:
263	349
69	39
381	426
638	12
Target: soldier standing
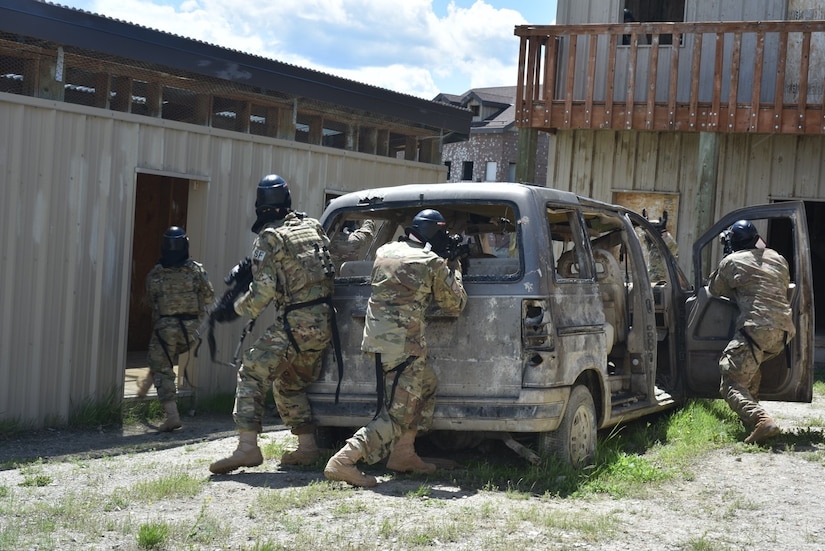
291	268
406	275
180	293
757	280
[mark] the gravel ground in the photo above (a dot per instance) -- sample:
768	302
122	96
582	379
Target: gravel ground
738	497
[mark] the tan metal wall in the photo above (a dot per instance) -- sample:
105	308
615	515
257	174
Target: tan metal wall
752	169
67	193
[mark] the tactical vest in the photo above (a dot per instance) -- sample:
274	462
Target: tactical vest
307	262
175	292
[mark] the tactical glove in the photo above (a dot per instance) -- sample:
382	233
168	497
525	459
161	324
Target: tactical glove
225	312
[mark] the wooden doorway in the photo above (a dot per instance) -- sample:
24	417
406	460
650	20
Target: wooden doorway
160	202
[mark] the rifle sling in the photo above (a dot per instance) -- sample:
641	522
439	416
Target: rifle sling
336	338
165	346
379	380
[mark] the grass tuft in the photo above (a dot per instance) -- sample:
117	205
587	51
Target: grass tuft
152	535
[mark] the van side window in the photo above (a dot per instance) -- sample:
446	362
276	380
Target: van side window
572	260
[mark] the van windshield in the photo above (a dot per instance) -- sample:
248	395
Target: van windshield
488	234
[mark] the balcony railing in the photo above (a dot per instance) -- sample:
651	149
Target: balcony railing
737	77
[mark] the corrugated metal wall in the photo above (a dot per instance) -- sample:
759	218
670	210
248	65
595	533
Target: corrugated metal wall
67	201
752	169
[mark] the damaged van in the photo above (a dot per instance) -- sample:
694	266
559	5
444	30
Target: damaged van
564	333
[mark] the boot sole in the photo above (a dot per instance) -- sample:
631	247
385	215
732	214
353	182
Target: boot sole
759	438
367	482
227	470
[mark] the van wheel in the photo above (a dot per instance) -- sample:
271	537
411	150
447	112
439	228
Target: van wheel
574	442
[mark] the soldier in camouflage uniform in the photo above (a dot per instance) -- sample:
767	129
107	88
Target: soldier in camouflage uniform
352	243
757	280
180	293
291	269
406	275
656	268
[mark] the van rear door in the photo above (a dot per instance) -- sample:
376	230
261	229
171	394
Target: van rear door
711	320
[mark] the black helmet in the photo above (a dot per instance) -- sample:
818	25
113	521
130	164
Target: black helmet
175	240
428	224
174	248
743	235
273	193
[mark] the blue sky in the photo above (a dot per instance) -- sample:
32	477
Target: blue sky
417	47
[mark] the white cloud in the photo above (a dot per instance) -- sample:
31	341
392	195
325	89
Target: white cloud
401	46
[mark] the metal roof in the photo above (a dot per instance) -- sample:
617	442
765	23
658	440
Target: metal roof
82	29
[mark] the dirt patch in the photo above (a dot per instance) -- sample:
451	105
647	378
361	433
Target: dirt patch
738	497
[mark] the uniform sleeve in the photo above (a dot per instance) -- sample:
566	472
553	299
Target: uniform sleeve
365	233
206	293
264	286
448	288
148	297
717	282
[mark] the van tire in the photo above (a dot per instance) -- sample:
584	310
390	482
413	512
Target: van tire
574	442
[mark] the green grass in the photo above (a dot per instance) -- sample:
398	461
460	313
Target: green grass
269	504
178	484
103	412
631	455
631	460
152	535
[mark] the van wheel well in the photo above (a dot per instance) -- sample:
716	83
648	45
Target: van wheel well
574	441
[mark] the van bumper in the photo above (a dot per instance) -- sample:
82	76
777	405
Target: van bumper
535	410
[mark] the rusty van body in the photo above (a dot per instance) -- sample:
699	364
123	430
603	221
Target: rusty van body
564	333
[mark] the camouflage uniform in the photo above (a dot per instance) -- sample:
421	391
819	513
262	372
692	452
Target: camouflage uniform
757	280
352	245
656	264
290	271
404	277
179	296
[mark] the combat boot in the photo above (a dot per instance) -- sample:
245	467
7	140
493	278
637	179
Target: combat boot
172	421
145	385
247	454
306	454
765	428
341	466
404	459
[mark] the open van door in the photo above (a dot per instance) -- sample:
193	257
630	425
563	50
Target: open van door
711	321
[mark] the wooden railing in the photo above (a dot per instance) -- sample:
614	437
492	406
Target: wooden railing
688	77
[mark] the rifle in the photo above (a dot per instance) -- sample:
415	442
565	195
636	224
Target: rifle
238	279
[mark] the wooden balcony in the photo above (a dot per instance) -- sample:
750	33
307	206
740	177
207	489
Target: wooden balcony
731	77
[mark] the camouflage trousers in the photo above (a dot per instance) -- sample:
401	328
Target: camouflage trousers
176	342
274	360
412	407
740	367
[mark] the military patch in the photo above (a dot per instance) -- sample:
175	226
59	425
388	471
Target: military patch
258	255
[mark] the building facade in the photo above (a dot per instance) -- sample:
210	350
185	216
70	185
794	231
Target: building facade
718	107
492	152
112	132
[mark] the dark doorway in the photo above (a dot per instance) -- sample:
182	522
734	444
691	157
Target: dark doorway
781	240
160	202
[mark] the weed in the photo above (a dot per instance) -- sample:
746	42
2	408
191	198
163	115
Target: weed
175	485
38	481
152	535
272	502
93	412
420	492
